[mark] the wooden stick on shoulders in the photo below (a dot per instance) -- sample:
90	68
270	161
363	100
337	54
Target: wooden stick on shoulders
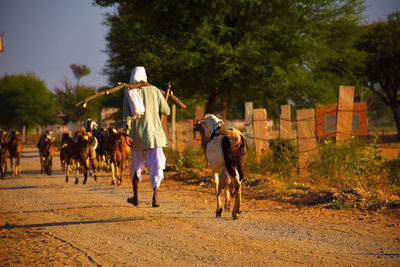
130	86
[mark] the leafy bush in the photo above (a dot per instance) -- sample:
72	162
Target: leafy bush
171	155
354	163
281	159
194	158
344	165
261	166
352	172
179	162
392	169
189	158
285	157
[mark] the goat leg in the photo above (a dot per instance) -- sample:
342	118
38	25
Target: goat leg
85	174
77	173
122	171
118	177
94	165
113	173
238	198
18	167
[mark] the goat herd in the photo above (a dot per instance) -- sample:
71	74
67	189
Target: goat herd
93	148
89	150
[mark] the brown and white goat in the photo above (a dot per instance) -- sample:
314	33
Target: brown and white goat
221	181
226	153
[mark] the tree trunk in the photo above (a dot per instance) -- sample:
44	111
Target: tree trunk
212	100
396	115
224	105
23	133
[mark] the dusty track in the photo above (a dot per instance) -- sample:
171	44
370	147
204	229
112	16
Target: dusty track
44	221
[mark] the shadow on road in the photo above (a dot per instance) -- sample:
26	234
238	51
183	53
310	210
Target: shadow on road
13	226
18	188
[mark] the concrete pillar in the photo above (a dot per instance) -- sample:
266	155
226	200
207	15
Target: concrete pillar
306	139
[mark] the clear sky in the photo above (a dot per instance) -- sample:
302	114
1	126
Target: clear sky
47	36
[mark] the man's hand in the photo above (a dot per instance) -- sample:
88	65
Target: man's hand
129	141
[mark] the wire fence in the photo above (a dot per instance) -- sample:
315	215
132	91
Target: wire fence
185	138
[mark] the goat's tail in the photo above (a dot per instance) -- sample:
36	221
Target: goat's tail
233	136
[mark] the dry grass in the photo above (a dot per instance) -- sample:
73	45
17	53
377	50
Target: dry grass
366	181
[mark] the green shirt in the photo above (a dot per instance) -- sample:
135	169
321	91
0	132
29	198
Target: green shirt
147	131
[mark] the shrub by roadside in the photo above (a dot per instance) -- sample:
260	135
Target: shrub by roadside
341	176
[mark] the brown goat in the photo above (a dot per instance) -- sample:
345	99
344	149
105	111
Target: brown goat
15	147
80	151
3	154
48	154
118	156
114	148
46	151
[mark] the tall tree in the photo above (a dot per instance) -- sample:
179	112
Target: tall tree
79	71
383	72
228	52
25	101
67	98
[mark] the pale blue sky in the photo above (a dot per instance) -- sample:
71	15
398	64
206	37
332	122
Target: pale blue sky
46	36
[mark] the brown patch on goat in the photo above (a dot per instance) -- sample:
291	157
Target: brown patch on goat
233	136
234	155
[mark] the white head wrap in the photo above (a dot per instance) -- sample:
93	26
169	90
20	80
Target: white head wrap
138	74
135	101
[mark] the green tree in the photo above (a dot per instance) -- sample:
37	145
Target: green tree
228	52
25	101
70	95
379	113
79	71
383	71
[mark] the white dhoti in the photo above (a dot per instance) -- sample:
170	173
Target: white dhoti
155	164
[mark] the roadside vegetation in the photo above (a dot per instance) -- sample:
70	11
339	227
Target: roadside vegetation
351	174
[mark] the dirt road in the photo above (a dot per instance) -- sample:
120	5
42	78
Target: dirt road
44	221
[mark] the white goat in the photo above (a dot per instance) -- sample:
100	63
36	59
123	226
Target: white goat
226	154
